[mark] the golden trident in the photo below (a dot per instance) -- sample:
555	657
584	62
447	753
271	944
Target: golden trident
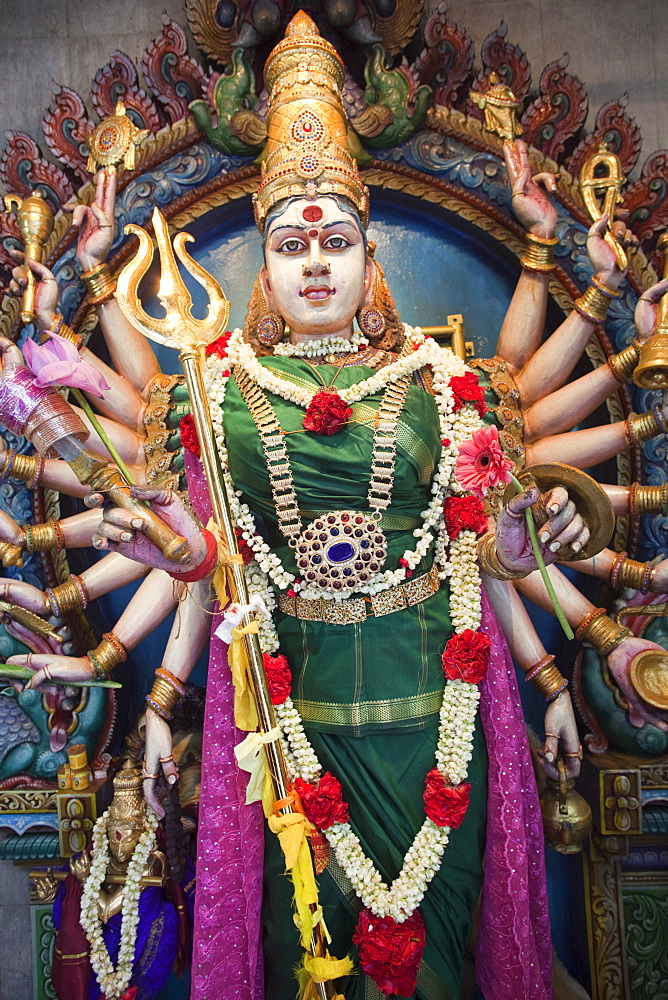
181	330
601	181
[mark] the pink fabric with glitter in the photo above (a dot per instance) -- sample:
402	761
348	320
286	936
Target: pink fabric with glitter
514	955
227	950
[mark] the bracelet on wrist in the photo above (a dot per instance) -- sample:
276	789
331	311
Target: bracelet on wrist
205	567
539	253
489	561
593	304
100	283
602	633
69	596
61	329
27	469
624	364
547	678
614	569
165	694
641	427
107	654
632	574
648	500
43	537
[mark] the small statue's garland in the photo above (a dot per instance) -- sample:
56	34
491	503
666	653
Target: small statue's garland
114	981
390	916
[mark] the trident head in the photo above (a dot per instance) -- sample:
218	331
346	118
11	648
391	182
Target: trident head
178	328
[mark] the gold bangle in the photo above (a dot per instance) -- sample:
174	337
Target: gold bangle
490	563
641	427
624	364
539	254
648	500
603	634
163	698
587	620
108	654
25	468
634	574
594	303
43	537
69	334
101	285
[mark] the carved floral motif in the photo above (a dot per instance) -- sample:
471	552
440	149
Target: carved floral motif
558	112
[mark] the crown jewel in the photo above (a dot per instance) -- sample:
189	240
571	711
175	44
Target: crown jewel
307	145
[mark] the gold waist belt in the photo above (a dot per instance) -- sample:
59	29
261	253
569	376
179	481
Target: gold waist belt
356	609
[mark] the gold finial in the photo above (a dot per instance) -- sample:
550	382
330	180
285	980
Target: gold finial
127	805
35	222
500	107
601	181
114	141
306	154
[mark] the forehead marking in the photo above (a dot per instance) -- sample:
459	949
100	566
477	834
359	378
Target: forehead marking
312	213
313	232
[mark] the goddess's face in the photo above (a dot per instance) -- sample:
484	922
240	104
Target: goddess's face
316	273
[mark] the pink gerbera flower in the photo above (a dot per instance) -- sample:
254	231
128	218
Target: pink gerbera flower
481	464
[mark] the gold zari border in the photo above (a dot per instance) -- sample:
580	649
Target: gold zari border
371	712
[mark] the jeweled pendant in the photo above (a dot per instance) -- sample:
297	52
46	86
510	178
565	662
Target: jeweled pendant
340	551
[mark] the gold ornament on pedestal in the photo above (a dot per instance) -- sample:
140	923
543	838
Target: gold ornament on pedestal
500	107
114	141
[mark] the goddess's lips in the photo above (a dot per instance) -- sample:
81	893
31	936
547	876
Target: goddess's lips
317	293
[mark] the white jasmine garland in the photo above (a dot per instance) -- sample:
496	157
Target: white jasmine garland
321	347
114	981
457	559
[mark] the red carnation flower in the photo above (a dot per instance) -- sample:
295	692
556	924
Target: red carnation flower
466	389
464	514
219	346
445	804
279	677
245	550
323	803
390	952
466	656
188	434
326	413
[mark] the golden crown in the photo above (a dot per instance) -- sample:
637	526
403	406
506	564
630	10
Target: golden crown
128	802
306	154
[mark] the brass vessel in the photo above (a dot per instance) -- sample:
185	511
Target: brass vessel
566	815
652	369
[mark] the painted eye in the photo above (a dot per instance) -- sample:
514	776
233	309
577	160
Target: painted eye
337	243
292	245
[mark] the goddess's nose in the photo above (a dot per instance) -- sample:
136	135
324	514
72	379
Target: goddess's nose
316	268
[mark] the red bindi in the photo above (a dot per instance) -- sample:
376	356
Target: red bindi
313	232
312	213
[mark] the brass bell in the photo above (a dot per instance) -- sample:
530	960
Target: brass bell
566	815
652	369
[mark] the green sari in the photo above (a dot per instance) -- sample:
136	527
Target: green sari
369	693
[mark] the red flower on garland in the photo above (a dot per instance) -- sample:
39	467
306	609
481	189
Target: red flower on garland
245	550
219	346
390	952
323	803
326	413
466	389
279	677
188	434
445	804
481	465
466	656
464	514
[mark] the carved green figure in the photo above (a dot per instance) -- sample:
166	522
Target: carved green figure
238	131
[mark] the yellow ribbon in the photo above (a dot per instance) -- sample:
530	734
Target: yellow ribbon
323	970
250	758
245	713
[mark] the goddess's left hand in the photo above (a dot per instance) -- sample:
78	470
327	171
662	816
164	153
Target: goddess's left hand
531	204
561	736
564	526
619	665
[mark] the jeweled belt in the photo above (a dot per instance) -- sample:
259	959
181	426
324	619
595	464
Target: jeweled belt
356	609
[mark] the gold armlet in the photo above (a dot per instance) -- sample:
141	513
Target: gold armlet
648	500
624	364
43	537
602	632
165	694
641	427
539	253
594	303
101	285
490	563
631	573
547	678
107	655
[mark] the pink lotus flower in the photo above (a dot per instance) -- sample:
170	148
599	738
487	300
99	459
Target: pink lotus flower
481	464
57	362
